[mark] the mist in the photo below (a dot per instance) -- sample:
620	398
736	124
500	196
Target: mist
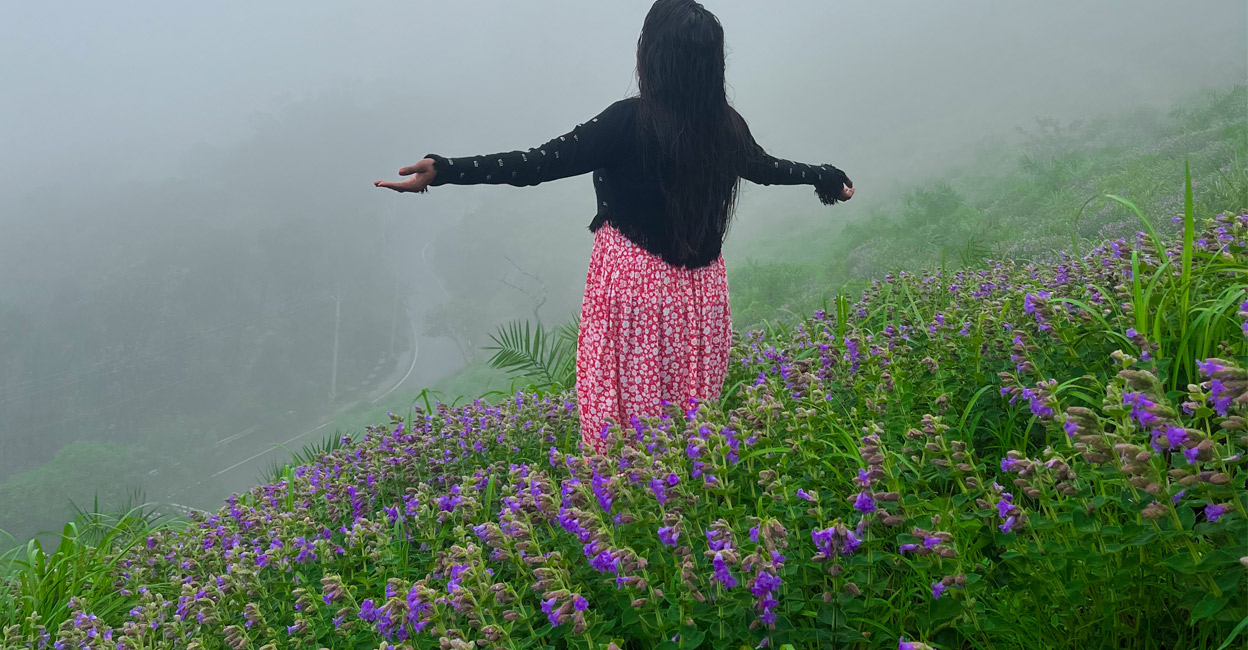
194	265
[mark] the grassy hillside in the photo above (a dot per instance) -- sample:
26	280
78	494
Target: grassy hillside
917	445
1024	198
993	457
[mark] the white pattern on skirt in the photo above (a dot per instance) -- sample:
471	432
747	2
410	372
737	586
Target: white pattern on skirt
650	332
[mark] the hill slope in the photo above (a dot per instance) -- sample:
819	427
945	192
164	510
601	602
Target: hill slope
981	459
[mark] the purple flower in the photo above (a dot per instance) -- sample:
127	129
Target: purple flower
1140	404
552	614
938	588
906	548
864	503
902	645
599	487
722	575
1220	397
1004	505
1190	454
1208	367
1007	464
369	611
668	535
605	561
1008	526
580	604
851	543
659	490
804	494
1071	428
1214	512
1174	436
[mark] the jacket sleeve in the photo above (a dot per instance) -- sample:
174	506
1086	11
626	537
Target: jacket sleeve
765	169
590	146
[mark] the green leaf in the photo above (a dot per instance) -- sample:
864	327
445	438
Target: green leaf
1187	517
943	609
1208	606
1181	562
691	637
1084	523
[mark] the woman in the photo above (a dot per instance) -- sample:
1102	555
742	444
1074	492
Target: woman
655	324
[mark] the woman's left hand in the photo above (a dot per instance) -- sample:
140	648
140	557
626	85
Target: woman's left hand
848	192
420	175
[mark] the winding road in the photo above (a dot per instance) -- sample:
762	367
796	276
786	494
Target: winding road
246	443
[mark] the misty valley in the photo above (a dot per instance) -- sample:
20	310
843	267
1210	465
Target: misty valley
999	399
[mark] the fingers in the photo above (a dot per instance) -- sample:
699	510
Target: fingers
391	185
408	171
414	184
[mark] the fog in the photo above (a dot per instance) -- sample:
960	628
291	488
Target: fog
188	227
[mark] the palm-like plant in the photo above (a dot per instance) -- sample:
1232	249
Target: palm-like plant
974	250
309	454
119	524
529	351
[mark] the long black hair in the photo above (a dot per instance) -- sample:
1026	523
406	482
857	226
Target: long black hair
691	140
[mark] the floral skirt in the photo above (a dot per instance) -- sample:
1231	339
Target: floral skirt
650	333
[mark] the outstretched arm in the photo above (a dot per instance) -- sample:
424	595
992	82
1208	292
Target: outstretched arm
831	184
592	145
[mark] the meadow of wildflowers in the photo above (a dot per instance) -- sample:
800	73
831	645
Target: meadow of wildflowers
1019	456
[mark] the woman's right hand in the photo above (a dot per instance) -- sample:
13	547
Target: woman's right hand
420	175
848	192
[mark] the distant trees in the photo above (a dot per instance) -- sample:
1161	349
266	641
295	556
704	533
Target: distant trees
462	320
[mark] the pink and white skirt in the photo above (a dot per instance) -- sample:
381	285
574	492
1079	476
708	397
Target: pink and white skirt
650	332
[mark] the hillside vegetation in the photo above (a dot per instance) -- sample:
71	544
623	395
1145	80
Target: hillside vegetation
985	458
1022	198
1041	451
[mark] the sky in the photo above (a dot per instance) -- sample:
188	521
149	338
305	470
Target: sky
109	92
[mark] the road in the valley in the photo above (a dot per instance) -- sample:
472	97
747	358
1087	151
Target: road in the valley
238	462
